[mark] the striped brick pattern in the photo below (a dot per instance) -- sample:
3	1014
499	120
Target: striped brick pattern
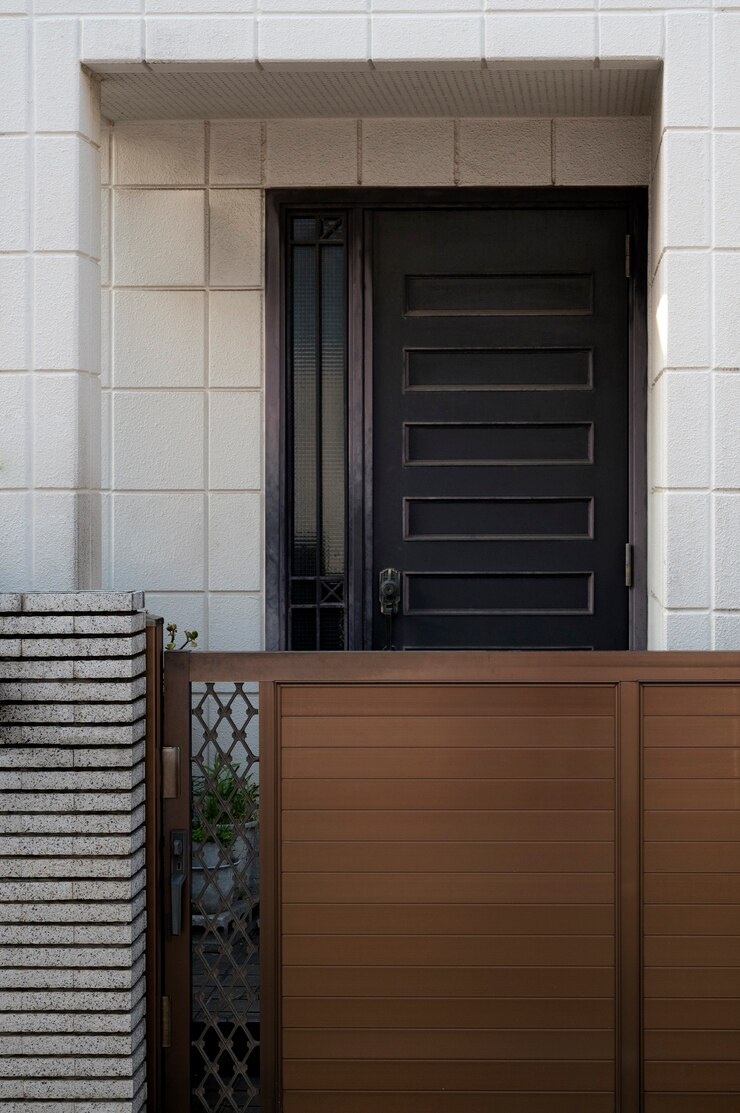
72	915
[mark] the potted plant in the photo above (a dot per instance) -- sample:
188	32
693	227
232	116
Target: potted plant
224	837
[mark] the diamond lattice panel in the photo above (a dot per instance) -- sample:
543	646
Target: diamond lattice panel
225	900
567	92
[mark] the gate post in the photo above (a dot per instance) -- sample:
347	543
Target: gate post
72	901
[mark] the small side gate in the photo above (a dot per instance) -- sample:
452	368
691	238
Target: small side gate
451	883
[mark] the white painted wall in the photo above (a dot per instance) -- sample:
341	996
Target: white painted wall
49	270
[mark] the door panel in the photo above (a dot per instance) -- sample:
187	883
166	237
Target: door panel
501	426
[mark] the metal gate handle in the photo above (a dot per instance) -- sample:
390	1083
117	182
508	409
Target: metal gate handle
177	878
389	595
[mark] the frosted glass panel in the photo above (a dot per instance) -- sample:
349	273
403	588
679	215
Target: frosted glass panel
317	372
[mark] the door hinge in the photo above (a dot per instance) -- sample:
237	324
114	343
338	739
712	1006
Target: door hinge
166	1022
629	561
628	256
170	772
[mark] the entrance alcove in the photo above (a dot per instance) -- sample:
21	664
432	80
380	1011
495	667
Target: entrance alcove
192	317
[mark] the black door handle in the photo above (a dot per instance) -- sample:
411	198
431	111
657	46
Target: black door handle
389	596
178	843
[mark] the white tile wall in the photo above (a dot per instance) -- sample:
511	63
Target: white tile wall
235	152
408	152
160	153
235	228
186	213
159	339
15	400
311	152
159	237
235	338
158	440
504	152
602	152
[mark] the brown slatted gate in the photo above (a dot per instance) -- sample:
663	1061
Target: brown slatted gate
448	899
692	899
490	884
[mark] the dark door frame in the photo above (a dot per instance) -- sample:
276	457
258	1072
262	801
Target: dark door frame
359	203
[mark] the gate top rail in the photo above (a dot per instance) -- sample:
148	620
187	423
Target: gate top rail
459	667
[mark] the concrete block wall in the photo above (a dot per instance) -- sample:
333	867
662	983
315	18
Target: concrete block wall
49	282
72	916
182	318
693	440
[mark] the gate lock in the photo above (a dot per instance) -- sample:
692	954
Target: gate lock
178	843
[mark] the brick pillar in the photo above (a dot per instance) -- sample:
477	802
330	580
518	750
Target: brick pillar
72	898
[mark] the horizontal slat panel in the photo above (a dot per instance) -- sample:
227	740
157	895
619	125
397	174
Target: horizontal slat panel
693	950
394	857
454	700
689	730
693	762
451	1043
448	826
450	919
302	1101
709	1077
692	919
699	982
692	888
448	981
471	950
691	826
688	1103
413	793
698	794
387	1074
678	857
430	731
435	1013
374	762
696	1045
448	893
691	699
475	888
711	1015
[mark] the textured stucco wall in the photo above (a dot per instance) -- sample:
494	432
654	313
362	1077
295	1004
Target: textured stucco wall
50	250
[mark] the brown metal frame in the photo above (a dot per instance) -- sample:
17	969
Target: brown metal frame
359	204
154	939
627	672
466	667
176	814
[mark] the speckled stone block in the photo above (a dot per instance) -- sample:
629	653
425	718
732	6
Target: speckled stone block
72	836
80	647
81	602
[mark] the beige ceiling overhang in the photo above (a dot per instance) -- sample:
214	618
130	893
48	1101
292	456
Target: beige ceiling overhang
158	92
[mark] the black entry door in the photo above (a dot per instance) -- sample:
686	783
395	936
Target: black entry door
501	426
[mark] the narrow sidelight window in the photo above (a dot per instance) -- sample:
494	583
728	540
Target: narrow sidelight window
316	310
